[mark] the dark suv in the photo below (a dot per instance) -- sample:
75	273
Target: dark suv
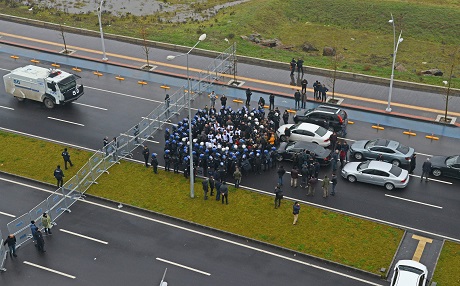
329	117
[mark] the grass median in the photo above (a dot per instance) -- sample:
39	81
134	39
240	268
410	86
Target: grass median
344	239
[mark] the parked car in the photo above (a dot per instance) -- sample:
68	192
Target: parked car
448	166
306	132
286	151
390	151
409	273
329	117
377	173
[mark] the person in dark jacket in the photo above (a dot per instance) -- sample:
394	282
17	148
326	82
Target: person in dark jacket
324	91
223	100
248	96
286	117
154	163
280	173
304	83
40	241
66	157
299	67
294	176
278	196
59	175
11	241
271	100
413	163
292	66
224	192
426	170
296	211
334	183
146	154
212	185
312	186
205	184
297	97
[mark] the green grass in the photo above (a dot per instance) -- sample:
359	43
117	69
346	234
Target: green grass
448	264
355	242
358	29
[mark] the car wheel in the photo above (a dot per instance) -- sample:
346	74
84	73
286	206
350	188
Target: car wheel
389	186
48	102
279	158
358	156
351	179
437	172
283	138
395	163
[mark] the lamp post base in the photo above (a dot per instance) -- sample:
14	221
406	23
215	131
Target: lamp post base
388	109
105	59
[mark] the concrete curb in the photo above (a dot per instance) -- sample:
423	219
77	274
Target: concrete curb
243	59
396	253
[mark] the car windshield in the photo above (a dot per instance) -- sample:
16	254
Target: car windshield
452	160
396	171
403	149
370	144
67	83
410	269
295	126
321	131
363	165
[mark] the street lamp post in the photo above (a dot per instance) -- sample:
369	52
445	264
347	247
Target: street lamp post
395	51
190	139
99	16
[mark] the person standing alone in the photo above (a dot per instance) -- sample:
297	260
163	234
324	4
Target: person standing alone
146	154
334	183
278	196
325	186
426	170
66	157
59	175
11	241
296	211
46	222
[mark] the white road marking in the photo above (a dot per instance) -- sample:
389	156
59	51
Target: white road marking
62	120
183	266
434	180
4	107
123	94
7	214
83	236
87	105
412	201
49	269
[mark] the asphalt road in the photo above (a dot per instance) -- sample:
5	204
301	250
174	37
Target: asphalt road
99	244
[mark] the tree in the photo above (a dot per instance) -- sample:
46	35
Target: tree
62	33
145	47
454	59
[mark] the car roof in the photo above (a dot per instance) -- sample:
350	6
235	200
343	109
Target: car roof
379	165
308	126
407	277
305	145
326	108
382	142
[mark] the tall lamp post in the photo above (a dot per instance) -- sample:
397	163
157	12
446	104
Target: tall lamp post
395	51
190	139
99	16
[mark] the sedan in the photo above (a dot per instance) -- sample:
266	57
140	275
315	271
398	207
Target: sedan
448	166
287	150
377	173
305	132
382	149
409	273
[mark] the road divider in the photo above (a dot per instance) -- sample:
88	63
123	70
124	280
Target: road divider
409	133
35	61
97	73
14	57
378	127
432	137
76	69
55	65
120	78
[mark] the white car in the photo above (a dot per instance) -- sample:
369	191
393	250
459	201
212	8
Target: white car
377	173
409	273
306	132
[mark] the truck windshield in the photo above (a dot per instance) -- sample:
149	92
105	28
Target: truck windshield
67	83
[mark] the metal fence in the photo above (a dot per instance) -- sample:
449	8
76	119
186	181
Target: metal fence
3	253
122	146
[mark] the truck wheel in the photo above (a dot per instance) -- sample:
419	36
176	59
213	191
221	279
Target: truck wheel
20	99
48	102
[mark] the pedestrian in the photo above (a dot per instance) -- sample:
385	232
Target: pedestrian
224	192
345	148
218	184
248	96
205	184
294	176
237	176
303	99
325	186
154	163
304	172
286	117
115	149
261	103
11	241
413	163
316	88
167	158
271	100
66	157
146	154
59	175
33	229
213	97
426	169
334	183
40	241
312	186
211	185
297	97
280	173
333	140
334	159
167	102
46	222
295	212
136	133
278	196
342	157
299	67
105	142
324	91
223	101
304	83
292	66
287	133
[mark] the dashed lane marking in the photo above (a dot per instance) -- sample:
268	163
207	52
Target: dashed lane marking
87	105
5	107
49	269
65	121
83	236
183	266
412	201
7	214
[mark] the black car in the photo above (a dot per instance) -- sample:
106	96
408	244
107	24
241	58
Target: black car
286	151
448	166
329	117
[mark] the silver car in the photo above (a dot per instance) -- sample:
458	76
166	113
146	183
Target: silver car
388	150
377	173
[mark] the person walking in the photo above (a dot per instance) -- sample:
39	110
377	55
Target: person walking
271	100
146	154
278	196
305	173
224	192
11	241
218	184
205	184
40	241
413	163
33	228
325	186
426	170
237	176
312	185
297	97
248	96
345	148
59	175
280	173
46	222
285	116
66	157
154	163
213	97
334	183
295	212
294	176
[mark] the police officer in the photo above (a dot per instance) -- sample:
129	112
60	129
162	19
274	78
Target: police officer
59	175
146	154
154	163
167	158
66	157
